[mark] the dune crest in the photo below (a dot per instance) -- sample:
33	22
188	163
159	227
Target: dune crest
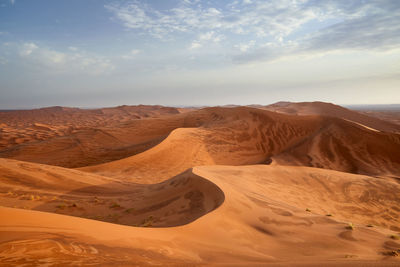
174	202
212	186
242	136
262	218
332	110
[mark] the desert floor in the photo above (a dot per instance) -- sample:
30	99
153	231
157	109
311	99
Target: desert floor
289	184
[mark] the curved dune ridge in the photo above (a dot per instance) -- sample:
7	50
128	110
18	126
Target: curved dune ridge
331	110
176	201
233	136
214	186
72	137
346	147
262	219
242	136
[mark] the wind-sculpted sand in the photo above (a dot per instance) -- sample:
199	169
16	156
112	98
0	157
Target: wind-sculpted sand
176	201
72	137
380	123
260	218
215	186
242	136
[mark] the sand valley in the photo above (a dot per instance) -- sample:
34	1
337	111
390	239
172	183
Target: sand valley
288	184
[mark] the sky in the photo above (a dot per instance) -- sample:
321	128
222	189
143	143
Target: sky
92	53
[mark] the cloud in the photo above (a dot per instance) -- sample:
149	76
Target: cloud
250	17
380	30
27	49
132	54
12	2
287	26
195	45
45	58
244	47
205	39
3	60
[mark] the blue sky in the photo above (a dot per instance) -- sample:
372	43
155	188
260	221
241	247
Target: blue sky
188	52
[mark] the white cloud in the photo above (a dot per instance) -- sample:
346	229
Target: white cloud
244	47
12	2
354	24
278	17
195	45
73	48
27	49
206	38
132	54
64	61
54	56
3	60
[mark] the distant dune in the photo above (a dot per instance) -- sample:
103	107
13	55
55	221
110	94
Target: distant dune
328	109
290	184
72	137
242	136
387	115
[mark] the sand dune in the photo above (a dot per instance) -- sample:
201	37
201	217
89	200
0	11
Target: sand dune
33	135
347	147
234	136
81	141
392	116
82	117
242	136
156	186
263	219
328	109
173	202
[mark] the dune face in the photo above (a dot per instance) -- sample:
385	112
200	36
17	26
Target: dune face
234	136
173	202
347	147
307	184
155	149
74	137
392	116
242	136
261	220
331	110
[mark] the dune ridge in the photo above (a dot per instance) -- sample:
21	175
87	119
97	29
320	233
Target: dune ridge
226	186
86	136
263	219
242	136
176	201
332	110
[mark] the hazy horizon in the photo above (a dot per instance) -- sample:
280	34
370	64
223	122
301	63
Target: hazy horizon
386	107
198	53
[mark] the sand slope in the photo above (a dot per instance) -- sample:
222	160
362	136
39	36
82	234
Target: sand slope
392	116
73	137
261	220
242	136
159	190
347	147
176	201
332	110
234	136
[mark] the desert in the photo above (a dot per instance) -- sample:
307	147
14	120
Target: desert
199	133
212	186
